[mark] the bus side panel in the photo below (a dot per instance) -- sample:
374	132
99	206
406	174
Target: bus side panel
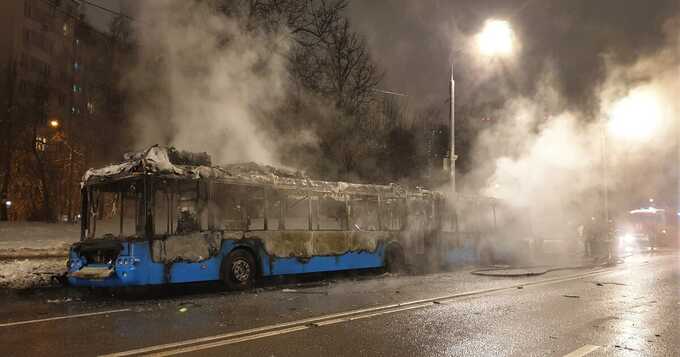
187	272
140	269
456	249
347	261
464	253
205	270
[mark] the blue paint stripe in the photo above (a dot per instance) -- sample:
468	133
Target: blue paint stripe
147	272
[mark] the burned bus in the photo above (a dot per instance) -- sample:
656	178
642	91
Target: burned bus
164	216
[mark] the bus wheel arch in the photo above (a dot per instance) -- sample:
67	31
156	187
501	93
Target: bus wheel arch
239	269
395	260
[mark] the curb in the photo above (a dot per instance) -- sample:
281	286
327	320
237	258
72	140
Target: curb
32	254
529	271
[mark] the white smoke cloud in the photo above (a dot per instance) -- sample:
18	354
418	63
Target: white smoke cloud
548	158
205	83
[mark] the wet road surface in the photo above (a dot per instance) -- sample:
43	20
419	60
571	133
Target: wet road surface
630	309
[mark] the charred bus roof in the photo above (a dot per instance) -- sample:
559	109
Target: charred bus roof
167	162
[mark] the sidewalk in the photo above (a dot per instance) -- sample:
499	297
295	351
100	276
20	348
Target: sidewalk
30	240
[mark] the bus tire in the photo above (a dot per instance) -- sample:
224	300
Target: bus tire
394	259
238	270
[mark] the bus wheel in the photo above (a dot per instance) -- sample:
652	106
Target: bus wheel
238	270
394	259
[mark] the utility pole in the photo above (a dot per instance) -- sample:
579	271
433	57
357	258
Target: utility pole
452	112
605	183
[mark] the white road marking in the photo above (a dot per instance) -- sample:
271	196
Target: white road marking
228	342
582	351
359	317
26	322
202	343
257	330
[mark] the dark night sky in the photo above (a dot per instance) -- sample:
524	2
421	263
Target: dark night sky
412	42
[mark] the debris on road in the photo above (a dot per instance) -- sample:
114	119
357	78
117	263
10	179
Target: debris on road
626	348
572	296
609	283
59	301
184	306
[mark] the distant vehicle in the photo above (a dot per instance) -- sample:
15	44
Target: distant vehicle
164	216
644	228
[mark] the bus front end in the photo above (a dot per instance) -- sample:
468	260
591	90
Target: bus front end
114	244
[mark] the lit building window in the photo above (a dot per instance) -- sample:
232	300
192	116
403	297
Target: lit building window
76	66
40	143
90	107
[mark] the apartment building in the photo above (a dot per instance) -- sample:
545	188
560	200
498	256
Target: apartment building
58	84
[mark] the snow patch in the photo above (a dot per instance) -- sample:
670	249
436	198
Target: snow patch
30	273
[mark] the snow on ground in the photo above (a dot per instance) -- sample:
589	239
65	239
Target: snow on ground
30	273
36	239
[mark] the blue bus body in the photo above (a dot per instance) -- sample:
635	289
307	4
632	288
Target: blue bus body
151	221
135	267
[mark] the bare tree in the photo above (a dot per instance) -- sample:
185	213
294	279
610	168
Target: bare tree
7	140
332	62
37	117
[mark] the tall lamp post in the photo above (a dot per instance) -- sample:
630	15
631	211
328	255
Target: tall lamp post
495	40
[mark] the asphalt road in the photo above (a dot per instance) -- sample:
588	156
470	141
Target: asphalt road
630	309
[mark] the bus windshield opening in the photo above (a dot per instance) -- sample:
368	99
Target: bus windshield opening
115	211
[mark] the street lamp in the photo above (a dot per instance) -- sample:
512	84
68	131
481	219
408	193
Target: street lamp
636	116
495	40
54	123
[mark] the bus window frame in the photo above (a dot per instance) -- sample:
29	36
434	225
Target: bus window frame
286	196
402	212
88	229
244	200
316	200
363	201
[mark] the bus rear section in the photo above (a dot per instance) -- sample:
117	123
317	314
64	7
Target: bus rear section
482	230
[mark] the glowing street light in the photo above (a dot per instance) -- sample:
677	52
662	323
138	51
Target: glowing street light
636	116
8	203
496	39
54	123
